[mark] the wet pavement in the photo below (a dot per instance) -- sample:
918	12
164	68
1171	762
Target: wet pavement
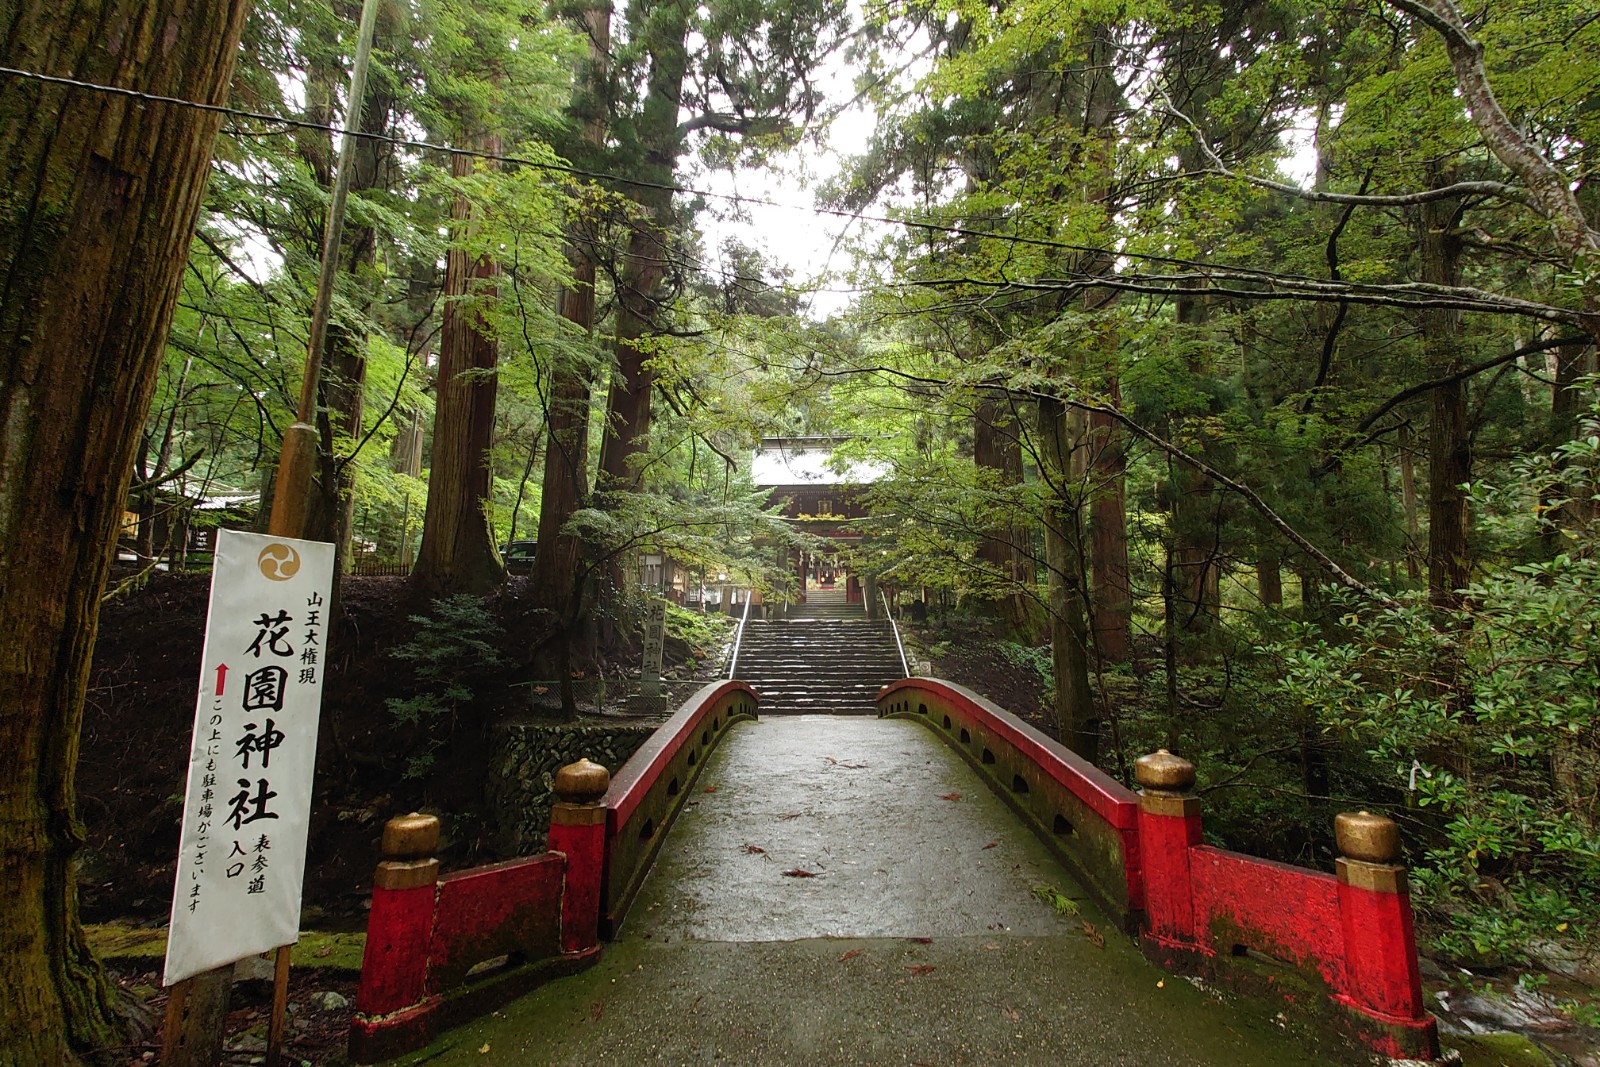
913	935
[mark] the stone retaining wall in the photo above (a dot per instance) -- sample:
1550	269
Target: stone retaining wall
524	763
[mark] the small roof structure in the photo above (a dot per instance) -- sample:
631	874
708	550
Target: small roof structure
230	500
809	461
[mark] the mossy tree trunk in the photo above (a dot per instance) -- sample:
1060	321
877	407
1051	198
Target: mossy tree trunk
557	584
98	199
644	267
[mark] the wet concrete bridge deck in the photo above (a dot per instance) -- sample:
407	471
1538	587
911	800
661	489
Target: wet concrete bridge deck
913	936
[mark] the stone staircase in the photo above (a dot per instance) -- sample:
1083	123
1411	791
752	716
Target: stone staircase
824	657
827	604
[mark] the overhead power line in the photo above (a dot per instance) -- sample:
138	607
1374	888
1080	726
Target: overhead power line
1280	286
580	172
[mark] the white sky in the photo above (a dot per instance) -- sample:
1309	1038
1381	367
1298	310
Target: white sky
810	244
794	235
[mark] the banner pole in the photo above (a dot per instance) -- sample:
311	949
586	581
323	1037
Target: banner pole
280	1001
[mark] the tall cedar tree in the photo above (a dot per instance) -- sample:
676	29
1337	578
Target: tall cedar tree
458	553
100	194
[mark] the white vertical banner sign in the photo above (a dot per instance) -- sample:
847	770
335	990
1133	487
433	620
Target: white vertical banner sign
242	851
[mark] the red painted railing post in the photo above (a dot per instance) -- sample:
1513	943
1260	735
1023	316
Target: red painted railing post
1383	982
394	965
578	831
1169	825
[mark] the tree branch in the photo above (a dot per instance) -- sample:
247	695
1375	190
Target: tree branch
1338	573
1221	169
1549	191
1359	436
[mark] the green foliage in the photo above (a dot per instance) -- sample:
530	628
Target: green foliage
1049	894
1035	658
453	643
1488	718
706	633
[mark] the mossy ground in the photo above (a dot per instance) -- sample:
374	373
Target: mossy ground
137	944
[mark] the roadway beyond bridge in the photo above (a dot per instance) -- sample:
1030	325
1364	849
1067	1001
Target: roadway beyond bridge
844	890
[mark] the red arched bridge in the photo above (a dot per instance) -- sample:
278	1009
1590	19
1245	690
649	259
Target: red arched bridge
854	890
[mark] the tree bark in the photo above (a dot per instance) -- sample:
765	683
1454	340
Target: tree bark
1571	364
1269	579
458	551
101	195
1108	526
1111	594
638	288
341	389
1408	497
559	581
1449	435
1076	714
1193	517
997	447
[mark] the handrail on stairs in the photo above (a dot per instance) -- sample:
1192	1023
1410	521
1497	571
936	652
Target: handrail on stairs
738	635
905	664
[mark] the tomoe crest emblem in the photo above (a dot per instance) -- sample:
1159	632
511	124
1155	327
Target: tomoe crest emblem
278	562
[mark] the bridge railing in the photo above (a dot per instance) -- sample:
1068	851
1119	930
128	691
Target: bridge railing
738	635
1088	818
1343	942
648	792
441	950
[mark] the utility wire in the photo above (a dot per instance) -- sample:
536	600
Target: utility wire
1479	301
580	172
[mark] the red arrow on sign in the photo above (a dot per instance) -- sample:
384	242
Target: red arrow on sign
222	676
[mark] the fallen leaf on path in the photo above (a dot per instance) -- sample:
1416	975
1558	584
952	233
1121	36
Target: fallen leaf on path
852	954
709	789
1162	984
920	969
799	872
597	1009
753	850
991	844
484	1050
949	796
920	940
322	953
1092	934
1012	1013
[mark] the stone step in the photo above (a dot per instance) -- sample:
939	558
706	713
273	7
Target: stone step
829	660
811	670
757	669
